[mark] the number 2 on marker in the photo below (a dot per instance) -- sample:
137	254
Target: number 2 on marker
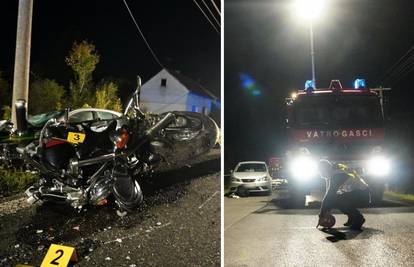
59	256
54	262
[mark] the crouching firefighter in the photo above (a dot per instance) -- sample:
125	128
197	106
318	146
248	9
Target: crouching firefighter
345	190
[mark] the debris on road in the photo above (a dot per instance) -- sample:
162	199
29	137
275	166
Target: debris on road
164	216
233	195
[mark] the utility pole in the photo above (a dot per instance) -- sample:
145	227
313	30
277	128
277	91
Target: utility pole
312	54
22	57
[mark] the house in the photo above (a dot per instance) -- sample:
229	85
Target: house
170	90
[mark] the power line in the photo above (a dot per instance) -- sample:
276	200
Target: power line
142	35
214	4
205	15
402	68
392	70
406	70
402	64
211	13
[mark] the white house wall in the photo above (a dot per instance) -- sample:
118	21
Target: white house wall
198	102
158	99
174	96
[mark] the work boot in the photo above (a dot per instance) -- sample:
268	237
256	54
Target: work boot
348	222
357	224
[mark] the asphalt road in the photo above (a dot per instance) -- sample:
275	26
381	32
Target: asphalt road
179	224
259	231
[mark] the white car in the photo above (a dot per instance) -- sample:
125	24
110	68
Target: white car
75	116
89	114
253	176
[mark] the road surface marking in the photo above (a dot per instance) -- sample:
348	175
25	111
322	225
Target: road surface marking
208	199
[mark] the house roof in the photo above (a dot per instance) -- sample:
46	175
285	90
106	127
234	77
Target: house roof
192	85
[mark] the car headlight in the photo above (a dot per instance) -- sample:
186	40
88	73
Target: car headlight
262	179
234	179
304	167
378	166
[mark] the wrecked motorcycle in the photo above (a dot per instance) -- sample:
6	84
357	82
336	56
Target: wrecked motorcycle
27	131
91	162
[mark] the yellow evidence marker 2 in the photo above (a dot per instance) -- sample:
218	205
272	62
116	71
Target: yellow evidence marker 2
75	138
59	256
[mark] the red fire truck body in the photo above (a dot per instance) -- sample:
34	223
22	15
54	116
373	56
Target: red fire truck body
341	125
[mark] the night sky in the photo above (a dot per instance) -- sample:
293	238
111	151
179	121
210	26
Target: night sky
177	31
354	39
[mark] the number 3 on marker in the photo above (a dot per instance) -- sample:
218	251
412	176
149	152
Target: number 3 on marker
76	138
59	256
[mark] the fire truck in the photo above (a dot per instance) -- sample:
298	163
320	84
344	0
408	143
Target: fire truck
342	125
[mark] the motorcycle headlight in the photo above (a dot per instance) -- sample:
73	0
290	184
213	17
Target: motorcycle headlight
304	167
378	166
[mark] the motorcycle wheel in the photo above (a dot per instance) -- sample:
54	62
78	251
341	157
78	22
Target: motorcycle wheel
127	192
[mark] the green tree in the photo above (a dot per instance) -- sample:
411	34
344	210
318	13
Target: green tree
45	95
82	59
106	97
5	97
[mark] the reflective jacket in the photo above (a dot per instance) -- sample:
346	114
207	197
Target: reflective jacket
343	180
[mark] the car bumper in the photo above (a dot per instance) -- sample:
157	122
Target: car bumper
265	186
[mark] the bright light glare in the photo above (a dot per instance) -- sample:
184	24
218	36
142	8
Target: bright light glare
303	168
310	9
378	166
294	95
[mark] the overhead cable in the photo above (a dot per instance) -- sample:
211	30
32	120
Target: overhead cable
205	15
142	35
211	13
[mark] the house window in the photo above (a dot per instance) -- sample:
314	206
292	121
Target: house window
194	108
163	82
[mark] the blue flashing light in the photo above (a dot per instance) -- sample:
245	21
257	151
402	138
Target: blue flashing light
309	85
246	81
359	84
256	92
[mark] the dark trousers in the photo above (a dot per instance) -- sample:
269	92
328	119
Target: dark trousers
348	203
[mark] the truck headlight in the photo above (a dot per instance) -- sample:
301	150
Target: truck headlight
378	166
304	167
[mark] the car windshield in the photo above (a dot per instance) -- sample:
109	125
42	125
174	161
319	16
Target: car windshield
81	116
251	167
343	111
105	115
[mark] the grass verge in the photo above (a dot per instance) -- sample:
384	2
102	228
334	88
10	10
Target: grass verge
15	181
400	196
